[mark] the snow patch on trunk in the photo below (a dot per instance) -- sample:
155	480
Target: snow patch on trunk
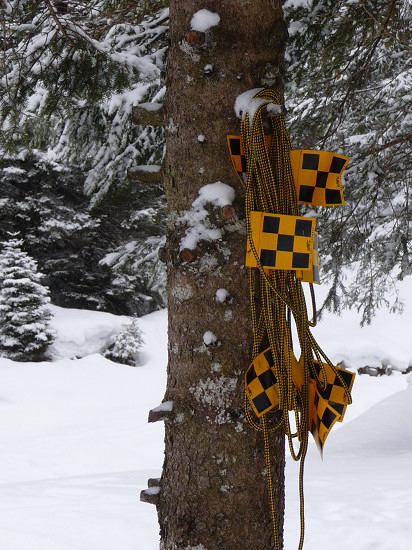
203	20
209	338
199	227
166	406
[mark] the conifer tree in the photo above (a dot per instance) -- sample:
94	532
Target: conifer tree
70	74
24	318
348	90
212	494
127	345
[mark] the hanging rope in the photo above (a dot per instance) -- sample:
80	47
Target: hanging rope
276	296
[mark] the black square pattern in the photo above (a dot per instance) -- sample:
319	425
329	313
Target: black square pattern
268	357
310	161
336	165
271	224
328	417
303	228
262	402
250	375
268	257
267	379
235	146
332	196
306	193
346	377
321	179
300	260
285	243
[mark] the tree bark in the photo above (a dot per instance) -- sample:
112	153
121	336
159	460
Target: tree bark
213	488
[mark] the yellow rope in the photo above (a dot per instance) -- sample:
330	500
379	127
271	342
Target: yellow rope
269	483
270	188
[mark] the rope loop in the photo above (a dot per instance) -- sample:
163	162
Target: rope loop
280	308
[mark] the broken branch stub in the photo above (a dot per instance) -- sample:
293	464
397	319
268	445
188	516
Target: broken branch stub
145	174
149	114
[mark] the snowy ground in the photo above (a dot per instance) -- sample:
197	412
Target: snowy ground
76	449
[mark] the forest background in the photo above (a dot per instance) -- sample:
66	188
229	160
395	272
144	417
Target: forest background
70	151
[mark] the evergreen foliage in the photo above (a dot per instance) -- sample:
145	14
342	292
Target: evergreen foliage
101	259
70	75
72	71
348	90
126	347
24	317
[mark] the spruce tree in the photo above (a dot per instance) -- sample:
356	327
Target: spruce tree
71	74
70	77
212	494
24	317
348	90
126	347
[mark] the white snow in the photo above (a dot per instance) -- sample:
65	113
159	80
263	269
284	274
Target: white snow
82	332
166	406
151	106
152	491
297	3
152	168
75	446
197	218
76	449
247	104
218	194
221	295
14	170
203	20
209	338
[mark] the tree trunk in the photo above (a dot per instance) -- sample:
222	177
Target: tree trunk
213	486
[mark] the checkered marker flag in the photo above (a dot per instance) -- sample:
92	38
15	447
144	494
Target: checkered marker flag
337	387
237	155
281	241
261	385
317	176
321	416
328	402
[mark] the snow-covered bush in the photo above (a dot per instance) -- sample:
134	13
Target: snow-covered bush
24	316
125	348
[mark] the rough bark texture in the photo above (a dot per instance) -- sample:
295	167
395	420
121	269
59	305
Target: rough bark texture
213	486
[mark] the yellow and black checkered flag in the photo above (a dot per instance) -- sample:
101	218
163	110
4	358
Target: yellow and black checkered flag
261	385
337	388
328	400
317	176
238	157
280	241
322	416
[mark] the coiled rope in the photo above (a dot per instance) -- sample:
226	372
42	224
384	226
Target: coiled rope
276	296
